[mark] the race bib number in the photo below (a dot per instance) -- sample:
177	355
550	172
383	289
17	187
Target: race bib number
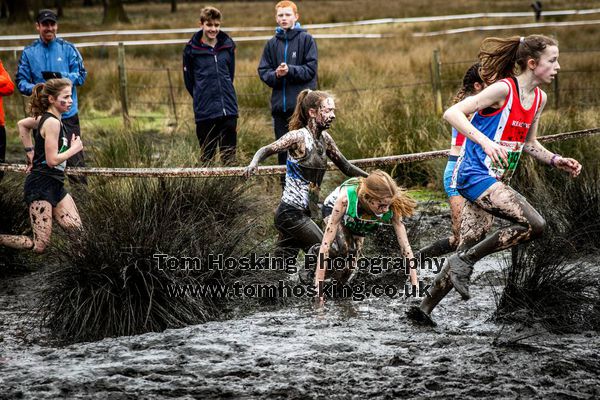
505	172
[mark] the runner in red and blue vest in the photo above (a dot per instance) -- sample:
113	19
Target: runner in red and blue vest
504	125
357	208
472	84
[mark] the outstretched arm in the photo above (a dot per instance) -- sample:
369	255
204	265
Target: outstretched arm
404	245
284	143
533	147
339	160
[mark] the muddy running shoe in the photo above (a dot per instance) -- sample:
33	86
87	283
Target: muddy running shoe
419	317
460	274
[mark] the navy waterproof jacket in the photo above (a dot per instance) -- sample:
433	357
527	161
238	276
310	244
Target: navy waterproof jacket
298	50
208	74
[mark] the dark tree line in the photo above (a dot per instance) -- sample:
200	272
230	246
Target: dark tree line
18	11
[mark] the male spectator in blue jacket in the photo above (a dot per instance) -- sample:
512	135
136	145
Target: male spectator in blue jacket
208	72
51	57
288	65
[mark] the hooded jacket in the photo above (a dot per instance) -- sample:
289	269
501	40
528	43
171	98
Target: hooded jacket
298	50
208	74
57	56
6	89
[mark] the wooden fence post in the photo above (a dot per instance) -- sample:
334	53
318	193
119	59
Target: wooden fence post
172	94
436	81
123	84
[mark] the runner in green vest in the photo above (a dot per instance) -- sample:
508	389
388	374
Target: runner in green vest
358	207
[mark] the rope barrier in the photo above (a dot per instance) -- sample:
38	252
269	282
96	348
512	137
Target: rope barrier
273	170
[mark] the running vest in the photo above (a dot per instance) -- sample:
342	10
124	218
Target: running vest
304	175
508	126
360	224
458	139
40	166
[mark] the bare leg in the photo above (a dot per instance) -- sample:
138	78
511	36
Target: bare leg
476	222
66	214
503	201
40	213
456	206
499	200
447	245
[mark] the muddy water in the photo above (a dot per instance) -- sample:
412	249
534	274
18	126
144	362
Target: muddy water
346	350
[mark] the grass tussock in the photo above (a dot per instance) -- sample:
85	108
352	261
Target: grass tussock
543	283
107	281
544	288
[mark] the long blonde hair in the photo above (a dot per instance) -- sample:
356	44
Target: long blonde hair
379	185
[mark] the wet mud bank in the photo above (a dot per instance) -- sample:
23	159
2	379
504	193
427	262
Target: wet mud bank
348	349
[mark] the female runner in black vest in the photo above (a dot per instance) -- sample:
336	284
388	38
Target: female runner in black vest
44	186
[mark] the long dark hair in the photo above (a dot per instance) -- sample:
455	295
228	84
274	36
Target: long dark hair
468	84
499	56
306	100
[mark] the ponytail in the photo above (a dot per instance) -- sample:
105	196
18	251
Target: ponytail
38	103
500	56
306	100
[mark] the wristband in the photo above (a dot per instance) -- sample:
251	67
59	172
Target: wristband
554	157
28	149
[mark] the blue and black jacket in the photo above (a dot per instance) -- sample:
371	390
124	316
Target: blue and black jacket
298	50
208	73
57	55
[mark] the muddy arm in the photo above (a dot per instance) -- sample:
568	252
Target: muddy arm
329	237
339	160
288	141
405	248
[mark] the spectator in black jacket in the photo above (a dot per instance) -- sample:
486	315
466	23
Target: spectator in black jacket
208	71
288	65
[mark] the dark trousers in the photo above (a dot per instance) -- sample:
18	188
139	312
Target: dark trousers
72	127
219	132
281	122
2	147
296	231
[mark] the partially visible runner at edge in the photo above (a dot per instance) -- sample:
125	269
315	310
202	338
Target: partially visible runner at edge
472	84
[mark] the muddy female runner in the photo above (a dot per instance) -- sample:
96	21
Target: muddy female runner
308	146
357	208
